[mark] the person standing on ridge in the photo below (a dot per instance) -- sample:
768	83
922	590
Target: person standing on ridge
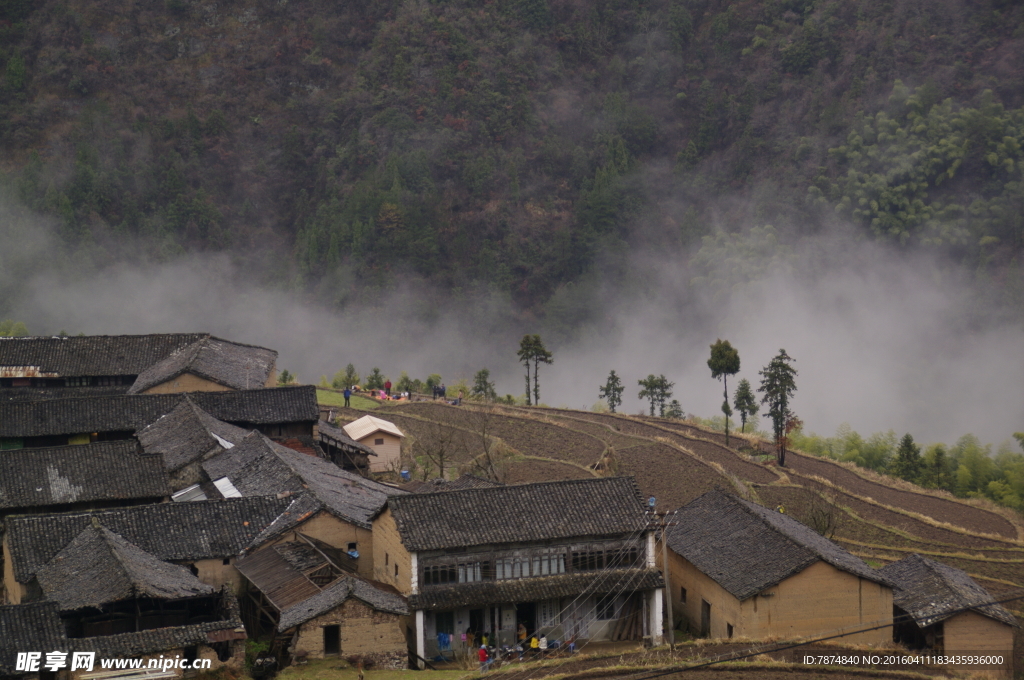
387	387
348	395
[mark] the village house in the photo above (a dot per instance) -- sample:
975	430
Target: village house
307	602
569	559
384	438
737	569
28	627
67	478
204	537
279	412
942	610
184	438
108	364
209	365
337	507
103	585
345	452
51	367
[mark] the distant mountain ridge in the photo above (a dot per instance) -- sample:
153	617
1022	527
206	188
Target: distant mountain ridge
510	143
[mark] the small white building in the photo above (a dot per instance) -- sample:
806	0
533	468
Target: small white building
383	437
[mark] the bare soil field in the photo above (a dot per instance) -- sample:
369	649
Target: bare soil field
939	509
531	470
528	436
672	477
706	450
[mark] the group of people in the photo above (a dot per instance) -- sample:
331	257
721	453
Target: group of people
535	645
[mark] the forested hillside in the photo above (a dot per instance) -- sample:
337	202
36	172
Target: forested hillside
509	143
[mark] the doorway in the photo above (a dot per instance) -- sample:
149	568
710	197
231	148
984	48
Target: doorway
332	640
705	618
526	614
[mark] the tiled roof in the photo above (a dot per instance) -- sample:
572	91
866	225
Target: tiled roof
260	467
931	592
187	434
93	355
170	531
163	639
336	436
38	627
26	628
489	593
240	367
300	508
746	548
280	581
439	484
335	594
522	513
367	425
134	412
98	567
72	474
45	393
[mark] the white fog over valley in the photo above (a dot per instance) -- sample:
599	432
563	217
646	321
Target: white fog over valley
880	341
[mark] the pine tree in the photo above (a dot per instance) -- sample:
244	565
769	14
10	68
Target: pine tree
907	464
611	391
778	383
745	402
724	361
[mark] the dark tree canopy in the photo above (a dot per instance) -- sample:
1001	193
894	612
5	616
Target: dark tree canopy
724	361
531	349
778	383
611	391
658	390
483	388
745	402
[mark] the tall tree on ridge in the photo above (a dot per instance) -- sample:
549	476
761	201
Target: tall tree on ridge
778	383
724	361
611	391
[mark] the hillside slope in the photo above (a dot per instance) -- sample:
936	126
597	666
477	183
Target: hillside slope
511	142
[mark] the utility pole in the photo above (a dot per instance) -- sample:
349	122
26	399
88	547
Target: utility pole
669	620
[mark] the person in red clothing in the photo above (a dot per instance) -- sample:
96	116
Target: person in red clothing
387	387
484	659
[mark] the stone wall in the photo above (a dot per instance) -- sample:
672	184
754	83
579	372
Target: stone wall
378	637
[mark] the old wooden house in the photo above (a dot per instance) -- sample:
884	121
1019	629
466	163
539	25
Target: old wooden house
66	478
383	437
737	569
51	367
569	559
209	365
337	507
346	452
308	603
186	437
204	537
940	609
277	412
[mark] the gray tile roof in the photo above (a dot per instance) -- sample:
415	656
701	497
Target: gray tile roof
300	508
32	627
170	531
98	567
931	592
259	467
746	548
38	627
240	367
136	411
186	434
489	593
335	594
93	355
44	393
336	436
73	474
439	484
521	513
162	639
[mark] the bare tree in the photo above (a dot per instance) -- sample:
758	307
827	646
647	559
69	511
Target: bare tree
491	457
437	445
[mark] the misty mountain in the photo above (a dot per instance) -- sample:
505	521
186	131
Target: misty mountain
516	146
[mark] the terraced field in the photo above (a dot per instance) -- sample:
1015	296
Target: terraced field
675	461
